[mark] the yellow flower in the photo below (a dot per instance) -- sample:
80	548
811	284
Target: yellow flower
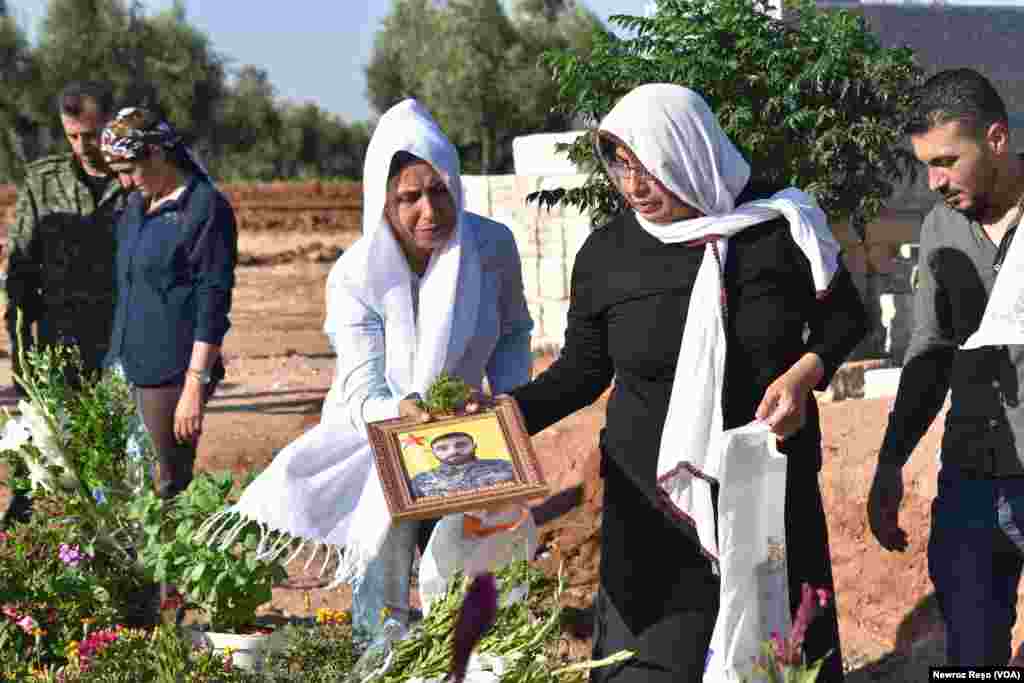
385	613
326	615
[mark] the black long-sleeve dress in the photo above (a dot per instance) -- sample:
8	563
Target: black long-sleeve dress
629	299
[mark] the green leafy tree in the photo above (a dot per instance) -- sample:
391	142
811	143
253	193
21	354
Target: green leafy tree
317	144
469	97
232	118
398	48
814	101
188	73
247	138
477	68
18	73
161	59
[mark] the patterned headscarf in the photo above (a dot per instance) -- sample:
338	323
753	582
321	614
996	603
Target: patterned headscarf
126	137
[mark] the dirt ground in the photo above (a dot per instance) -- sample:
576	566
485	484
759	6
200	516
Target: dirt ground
279	366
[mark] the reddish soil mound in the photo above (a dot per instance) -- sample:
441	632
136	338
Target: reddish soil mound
294	190
314	253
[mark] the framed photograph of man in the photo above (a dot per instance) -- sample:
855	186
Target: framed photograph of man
456	464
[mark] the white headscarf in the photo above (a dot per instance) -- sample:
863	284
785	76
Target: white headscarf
675	135
323	487
377	265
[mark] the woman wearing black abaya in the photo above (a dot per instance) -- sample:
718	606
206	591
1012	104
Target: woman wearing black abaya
701	250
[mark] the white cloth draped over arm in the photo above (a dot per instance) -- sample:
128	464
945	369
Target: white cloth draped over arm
359	392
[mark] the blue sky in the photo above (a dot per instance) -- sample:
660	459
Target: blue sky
314	50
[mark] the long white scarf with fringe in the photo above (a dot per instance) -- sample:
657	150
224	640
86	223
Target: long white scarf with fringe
322	490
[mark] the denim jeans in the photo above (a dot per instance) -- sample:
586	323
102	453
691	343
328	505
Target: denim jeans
387	581
975	556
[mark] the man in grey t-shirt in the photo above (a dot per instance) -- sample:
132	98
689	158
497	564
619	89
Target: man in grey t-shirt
976	546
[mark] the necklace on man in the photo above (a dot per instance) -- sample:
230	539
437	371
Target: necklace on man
1003	246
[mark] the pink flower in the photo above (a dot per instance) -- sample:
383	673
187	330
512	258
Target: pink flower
789	651
71	555
10	612
27	624
96	643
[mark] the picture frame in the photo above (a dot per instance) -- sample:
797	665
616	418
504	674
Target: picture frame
432	469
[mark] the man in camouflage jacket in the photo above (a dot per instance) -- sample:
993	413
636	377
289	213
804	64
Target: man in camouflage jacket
61	246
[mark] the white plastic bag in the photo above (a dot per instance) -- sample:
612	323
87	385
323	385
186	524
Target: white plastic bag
752	552
451	550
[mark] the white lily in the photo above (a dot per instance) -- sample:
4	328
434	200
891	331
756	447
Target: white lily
15	435
39	475
46	441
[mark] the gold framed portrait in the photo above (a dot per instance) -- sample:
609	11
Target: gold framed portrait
455	464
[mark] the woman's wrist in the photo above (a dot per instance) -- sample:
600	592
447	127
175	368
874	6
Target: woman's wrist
200	375
810	371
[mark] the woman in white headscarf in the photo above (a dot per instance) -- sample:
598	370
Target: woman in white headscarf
429	287
712	304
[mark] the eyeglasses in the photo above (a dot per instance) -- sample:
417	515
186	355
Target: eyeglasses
619	168
622	170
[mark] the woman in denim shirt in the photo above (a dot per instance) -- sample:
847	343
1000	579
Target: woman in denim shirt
428	288
176	255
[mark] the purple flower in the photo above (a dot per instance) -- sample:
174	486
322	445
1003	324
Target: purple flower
71	555
788	651
478	613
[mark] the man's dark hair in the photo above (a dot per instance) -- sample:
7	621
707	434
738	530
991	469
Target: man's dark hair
956	95
71	100
449	435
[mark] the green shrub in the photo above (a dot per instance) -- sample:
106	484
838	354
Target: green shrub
813	102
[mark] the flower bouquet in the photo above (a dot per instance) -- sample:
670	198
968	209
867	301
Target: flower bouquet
77	447
79	442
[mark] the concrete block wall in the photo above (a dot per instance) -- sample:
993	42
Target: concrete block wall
548	241
882	267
